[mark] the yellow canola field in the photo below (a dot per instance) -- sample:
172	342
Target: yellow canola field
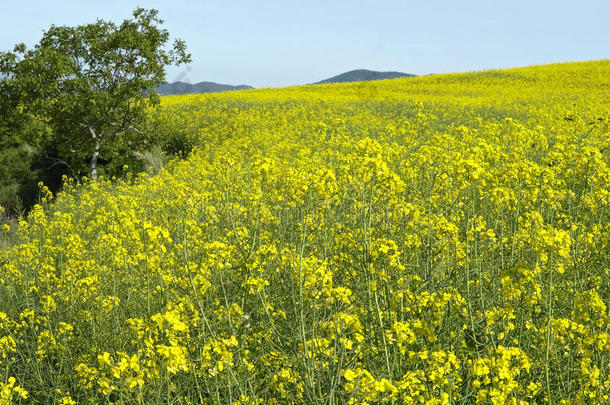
434	240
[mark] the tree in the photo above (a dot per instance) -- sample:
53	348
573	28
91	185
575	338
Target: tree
92	85
20	138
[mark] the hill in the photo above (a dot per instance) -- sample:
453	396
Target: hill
202	87
360	75
445	239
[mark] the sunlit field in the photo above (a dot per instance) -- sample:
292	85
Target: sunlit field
436	240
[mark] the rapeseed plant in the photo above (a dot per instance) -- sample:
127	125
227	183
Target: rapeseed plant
435	240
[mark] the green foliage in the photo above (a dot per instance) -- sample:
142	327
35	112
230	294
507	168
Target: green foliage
21	137
91	85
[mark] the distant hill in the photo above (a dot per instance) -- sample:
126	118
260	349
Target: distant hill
202	87
360	75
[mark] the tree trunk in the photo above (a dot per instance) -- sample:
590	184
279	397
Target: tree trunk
95	156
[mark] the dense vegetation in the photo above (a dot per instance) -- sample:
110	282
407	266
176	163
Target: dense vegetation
79	98
439	240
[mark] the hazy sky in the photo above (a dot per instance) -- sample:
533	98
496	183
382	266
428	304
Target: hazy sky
279	43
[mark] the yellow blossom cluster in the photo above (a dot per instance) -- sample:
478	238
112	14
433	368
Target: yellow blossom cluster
433	240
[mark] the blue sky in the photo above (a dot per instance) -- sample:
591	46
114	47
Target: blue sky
280	43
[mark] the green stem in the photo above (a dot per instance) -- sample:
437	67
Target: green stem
548	339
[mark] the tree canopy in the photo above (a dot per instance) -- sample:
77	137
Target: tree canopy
90	84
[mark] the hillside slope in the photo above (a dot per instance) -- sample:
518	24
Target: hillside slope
359	75
201	87
444	239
